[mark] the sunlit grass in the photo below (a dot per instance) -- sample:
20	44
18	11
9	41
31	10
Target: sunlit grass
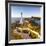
33	32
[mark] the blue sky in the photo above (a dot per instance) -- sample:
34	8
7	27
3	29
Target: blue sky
27	11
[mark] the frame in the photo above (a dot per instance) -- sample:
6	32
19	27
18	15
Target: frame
9	4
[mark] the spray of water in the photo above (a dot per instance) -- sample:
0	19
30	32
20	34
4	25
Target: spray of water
21	20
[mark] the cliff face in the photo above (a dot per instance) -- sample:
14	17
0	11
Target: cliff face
36	20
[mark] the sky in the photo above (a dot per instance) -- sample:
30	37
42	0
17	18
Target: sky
28	11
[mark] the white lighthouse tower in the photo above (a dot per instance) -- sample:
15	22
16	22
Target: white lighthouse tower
21	20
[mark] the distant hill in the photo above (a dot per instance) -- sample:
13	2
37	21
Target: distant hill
13	20
33	19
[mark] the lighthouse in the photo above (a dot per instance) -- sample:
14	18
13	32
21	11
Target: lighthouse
21	19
